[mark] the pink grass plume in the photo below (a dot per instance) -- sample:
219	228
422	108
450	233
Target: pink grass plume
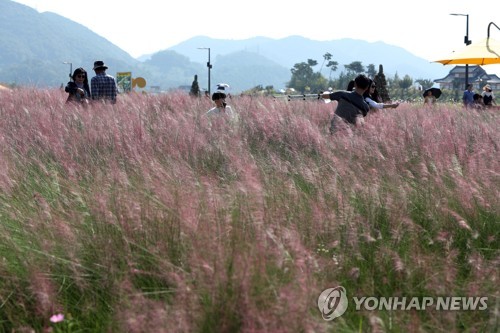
57	318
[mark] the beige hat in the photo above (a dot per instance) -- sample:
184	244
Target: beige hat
487	87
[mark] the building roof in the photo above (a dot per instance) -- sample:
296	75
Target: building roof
476	73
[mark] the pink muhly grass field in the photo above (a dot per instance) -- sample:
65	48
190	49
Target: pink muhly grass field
149	216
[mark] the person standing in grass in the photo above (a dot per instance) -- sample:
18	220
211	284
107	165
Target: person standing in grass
78	89
352	106
468	97
429	98
220	107
487	96
103	86
372	99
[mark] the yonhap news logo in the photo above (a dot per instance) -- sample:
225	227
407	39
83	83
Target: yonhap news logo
333	302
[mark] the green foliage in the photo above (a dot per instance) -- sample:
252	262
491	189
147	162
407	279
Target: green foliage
333	67
381	82
302	75
425	83
195	88
331	64
371	71
406	82
67	325
343	80
305	80
355	67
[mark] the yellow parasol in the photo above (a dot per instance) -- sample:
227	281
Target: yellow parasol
485	52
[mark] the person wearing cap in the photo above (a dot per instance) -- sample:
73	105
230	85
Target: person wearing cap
487	95
220	107
103	86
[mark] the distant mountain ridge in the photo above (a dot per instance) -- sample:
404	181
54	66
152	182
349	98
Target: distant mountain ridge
294	49
36	45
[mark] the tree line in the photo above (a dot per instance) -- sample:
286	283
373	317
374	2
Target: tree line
305	80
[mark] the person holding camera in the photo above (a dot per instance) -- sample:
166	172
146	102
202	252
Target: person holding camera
78	88
373	100
220	107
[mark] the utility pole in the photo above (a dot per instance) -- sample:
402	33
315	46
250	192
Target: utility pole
467	42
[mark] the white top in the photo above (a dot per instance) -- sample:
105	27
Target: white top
216	110
487	93
374	104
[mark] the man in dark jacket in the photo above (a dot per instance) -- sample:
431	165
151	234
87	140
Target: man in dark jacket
352	106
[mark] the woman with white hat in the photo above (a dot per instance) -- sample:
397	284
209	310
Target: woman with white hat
488	98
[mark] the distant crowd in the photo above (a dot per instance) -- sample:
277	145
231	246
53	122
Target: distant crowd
361	97
484	100
354	103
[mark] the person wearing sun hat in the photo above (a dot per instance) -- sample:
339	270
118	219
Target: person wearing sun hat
488	98
224	88
103	86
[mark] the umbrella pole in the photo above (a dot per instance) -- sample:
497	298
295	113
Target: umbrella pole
466	76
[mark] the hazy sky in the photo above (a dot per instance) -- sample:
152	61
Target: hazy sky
423	27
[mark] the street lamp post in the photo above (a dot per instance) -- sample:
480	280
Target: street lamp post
70	67
467	42
209	66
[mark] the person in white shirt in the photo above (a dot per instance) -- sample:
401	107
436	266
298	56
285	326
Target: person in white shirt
220	107
370	98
